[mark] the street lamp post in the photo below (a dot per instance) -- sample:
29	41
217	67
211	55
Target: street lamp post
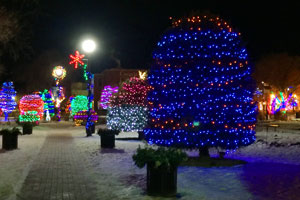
89	46
59	74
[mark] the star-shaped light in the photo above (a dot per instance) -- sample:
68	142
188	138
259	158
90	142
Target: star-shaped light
143	75
75	59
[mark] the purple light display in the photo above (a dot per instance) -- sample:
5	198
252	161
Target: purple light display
106	94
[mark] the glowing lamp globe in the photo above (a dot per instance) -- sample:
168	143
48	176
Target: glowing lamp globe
88	46
59	72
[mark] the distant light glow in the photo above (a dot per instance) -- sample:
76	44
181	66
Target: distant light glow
282	103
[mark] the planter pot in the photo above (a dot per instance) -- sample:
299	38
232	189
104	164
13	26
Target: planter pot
9	141
93	128
27	129
161	181
141	135
107	140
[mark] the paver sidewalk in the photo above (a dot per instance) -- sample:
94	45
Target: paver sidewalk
58	173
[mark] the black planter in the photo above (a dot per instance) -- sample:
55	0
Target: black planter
9	141
27	129
90	130
107	140
141	135
93	128
161	181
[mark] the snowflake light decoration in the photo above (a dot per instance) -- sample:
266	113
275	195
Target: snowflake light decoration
77	58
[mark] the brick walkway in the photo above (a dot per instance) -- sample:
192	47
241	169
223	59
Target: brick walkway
58	173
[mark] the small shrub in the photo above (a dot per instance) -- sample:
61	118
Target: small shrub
159	157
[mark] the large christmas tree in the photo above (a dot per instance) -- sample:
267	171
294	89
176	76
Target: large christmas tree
201	87
128	111
7	98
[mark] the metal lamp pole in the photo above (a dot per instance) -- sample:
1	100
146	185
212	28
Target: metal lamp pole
89	46
90	126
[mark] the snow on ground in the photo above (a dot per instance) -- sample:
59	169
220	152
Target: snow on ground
14	165
274	157
272	172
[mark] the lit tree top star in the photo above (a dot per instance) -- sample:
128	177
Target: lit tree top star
77	58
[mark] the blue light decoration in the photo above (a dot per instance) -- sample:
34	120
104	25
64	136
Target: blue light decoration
201	87
90	87
7	99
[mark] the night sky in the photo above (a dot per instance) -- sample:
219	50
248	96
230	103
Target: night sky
128	30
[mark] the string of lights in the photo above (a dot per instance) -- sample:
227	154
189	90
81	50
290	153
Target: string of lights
7	99
79	103
128	111
201	87
48	102
30	103
106	95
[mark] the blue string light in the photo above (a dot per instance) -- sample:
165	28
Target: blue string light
202	87
7	99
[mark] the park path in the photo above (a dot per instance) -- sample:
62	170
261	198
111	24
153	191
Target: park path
58	173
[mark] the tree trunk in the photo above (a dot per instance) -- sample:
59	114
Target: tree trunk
203	152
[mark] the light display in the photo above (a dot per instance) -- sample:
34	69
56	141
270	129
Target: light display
90	86
59	73
143	75
48	102
127	118
7	99
128	111
89	77
106	95
82	116
282	103
29	116
58	95
201	87
79	103
68	106
32	103
85	74
76	59
133	92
